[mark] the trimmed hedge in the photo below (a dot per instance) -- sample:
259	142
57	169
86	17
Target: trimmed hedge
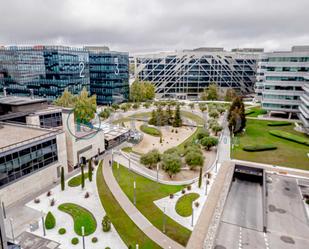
50	221
75	241
62	231
289	136
259	147
282	123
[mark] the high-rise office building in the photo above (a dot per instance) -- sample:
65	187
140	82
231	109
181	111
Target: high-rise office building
109	75
184	74
43	71
283	83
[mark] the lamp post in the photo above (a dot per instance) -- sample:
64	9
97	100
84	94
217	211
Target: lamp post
192	221
206	184
43	223
136	246
112	158
83	235
11	223
129	161
157	172
118	169
134	186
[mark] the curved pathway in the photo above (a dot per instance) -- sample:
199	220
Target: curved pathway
135	215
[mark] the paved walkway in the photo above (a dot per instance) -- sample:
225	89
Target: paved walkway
136	216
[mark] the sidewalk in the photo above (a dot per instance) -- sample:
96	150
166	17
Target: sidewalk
152	232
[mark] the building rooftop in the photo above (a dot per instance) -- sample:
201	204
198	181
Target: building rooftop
17	134
16	100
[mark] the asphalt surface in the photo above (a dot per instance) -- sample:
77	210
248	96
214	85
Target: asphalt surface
241	222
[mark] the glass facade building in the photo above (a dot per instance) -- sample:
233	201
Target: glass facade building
43	71
283	83
24	160
109	76
185	74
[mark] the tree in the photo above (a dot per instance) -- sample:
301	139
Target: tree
191	106
236	115
151	158
67	99
171	163
85	107
62	179
200	178
50	221
169	113
202	107
142	91
214	114
106	224
115	106
216	128
177	119
209	142
210	93
90	171
104	114
202	133
230	94
194	159
83	176
146	105
124	107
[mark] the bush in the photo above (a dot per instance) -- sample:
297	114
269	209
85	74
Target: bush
94	240
290	137
36	200
183	191
189	187
259	147
62	231
106	224
282	123
173	150
107	247
171	196
196	204
87	195
75	241
213	114
150	130
50	221
193	148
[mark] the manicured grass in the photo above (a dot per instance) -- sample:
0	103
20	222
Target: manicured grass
184	204
81	217
150	130
288	153
148	191
290	137
255	111
126	228
137	115
77	180
127	149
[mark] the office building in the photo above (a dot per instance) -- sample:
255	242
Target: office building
43	71
109	75
184	74
283	83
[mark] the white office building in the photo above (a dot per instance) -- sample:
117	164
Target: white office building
283	83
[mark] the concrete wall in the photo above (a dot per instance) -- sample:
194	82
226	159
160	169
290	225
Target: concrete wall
33	120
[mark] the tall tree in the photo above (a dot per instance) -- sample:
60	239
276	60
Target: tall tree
200	178
82	176
67	99
142	91
210	93
236	116
230	94
85	107
177	119
171	164
62	179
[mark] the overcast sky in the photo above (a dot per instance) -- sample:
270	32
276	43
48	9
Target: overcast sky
152	25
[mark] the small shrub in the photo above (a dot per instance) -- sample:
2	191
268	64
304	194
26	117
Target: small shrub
176	131
189	187
94	240
183	191
290	137
171	196
52	202
87	195
50	221
196	204
107	247
96	162
259	147
106	224
75	241
62	231
49	193
209	175
307	201
36	200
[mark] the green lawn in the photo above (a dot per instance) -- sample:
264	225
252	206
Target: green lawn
77	180
126	228
81	217
147	191
289	154
150	130
256	111
184	204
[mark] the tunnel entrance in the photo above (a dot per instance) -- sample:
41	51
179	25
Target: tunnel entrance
250	174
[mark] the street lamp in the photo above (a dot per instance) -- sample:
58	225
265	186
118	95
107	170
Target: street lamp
43	223
129	161
118	169
3	209
112	158
192	221
206	184
164	219
134	186
11	223
83	235
157	172
136	246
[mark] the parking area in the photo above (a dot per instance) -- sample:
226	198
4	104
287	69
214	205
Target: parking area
241	223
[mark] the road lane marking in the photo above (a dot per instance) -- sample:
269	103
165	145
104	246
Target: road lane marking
266	241
240	239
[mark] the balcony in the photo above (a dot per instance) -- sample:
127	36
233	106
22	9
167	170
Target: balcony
285	64
304	111
305	98
304	121
283	92
281	101
306	87
283	83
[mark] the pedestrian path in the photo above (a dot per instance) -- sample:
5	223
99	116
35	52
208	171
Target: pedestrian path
135	215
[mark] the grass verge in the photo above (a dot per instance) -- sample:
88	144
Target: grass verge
81	217
150	130
77	180
290	137
184	204
148	191
126	228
